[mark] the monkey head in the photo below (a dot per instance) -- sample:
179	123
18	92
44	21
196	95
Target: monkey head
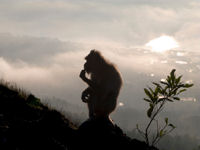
91	61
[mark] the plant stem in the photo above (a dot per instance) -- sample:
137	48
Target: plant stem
149	124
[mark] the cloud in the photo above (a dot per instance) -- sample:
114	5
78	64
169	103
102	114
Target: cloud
189	36
55	80
127	22
49	67
33	49
45	66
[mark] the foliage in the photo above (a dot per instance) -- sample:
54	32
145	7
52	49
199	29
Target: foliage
157	97
32	101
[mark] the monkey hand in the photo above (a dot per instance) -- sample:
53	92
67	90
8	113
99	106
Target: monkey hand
85	97
82	75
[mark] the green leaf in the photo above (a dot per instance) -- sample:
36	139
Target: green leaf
151	105
148	93
188	85
160	100
171	125
160	90
178	79
161	133
147	100
152	92
183	90
157	84
156	91
165	83
166	120
181	85
149	112
169	81
169	100
164	91
176	98
175	90
172	74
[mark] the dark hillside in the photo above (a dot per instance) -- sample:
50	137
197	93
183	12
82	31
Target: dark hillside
27	124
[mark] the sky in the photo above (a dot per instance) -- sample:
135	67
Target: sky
43	44
117	23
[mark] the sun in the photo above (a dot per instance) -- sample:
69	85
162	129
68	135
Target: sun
162	44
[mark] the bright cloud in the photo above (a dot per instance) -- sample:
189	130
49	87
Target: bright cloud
162	44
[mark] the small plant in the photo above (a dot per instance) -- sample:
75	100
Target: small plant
157	97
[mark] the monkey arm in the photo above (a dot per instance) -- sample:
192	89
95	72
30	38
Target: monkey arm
91	84
88	81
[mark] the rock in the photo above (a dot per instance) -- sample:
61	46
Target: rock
102	133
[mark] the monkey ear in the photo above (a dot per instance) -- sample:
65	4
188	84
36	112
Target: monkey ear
93	51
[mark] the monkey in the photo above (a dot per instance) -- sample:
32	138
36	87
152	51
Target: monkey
104	85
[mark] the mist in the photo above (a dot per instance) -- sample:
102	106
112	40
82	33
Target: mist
56	76
43	45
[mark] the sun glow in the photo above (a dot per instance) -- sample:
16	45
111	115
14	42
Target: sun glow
162	44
